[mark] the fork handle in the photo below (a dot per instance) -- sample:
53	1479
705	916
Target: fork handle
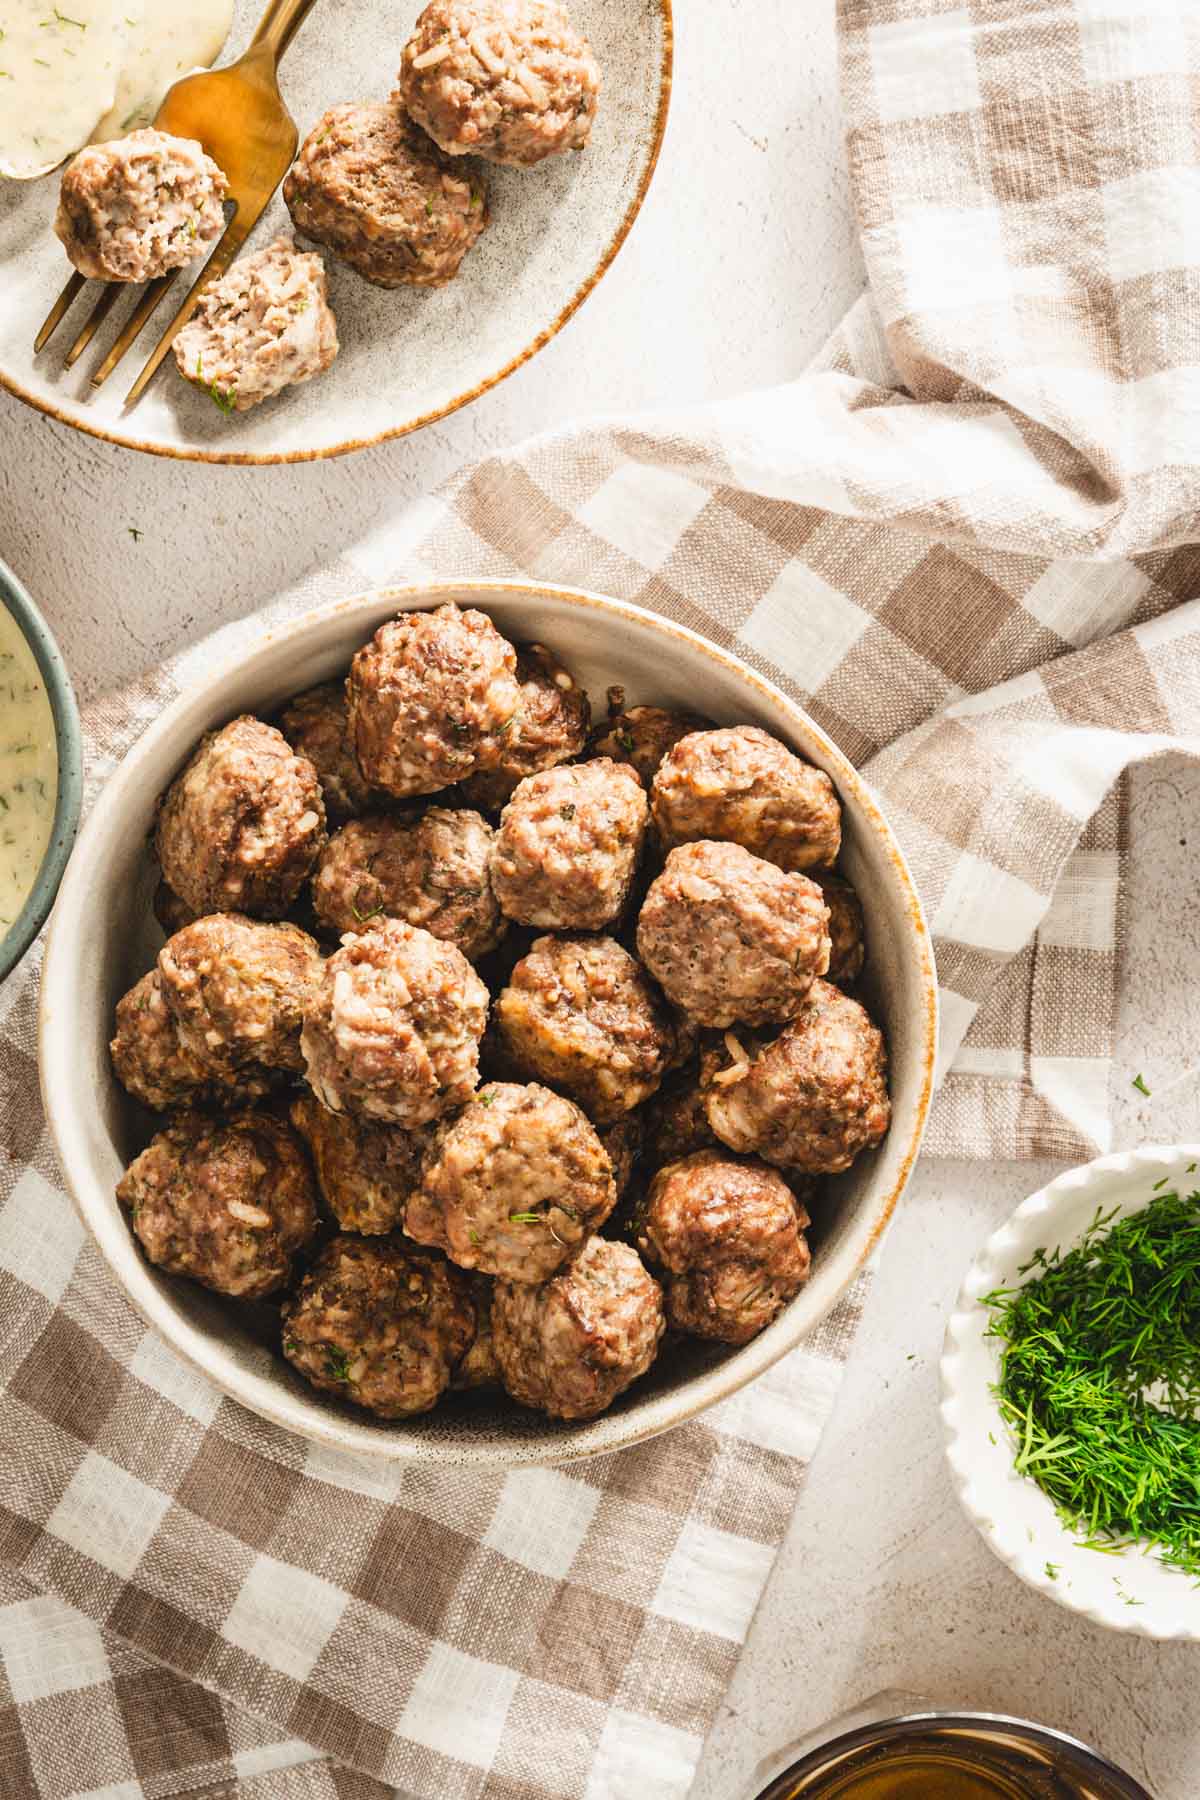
279	25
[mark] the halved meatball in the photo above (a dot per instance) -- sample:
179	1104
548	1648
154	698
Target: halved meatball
731	937
366	1172
430	870
243	823
579	1013
514	1185
392	1030
551	728
642	736
371	187
509	80
744	787
317	725
237	989
153	1063
139	206
572	1345
847	948
381	1324
264	326
568	846
729	1235
431	698
815	1097
227	1201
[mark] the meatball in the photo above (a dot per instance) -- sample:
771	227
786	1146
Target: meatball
847	950
568	846
153	1063
380	1324
581	1014
392	1030
377	192
728	1234
731	937
675	1121
509	80
137	207
569	1347
171	912
366	1172
431	871
479	1368
317	725
242	825
623	1143
237	989
264	326
513	1186
228	1201
431	699
815	1097
642	735
551	728
744	787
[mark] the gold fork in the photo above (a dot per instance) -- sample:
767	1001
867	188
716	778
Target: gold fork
239	118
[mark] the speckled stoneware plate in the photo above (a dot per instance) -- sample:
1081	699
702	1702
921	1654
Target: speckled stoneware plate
407	357
103	937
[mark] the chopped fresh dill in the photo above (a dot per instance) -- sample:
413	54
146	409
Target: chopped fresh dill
1139	1082
337	1364
526	1218
1053	1571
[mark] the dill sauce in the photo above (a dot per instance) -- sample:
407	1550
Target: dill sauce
28	770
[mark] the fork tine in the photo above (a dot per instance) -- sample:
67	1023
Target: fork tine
151	296
58	312
104	305
236	233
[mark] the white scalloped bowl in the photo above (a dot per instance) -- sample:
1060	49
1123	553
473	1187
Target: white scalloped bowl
1131	1590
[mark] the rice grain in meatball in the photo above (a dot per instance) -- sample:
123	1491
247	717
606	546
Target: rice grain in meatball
153	1063
264	326
568	846
228	1201
642	736
744	787
513	1186
140	206
317	725
431	871
371	187
366	1172
730	937
237	989
847	947
572	1345
392	1030
509	80
380	1324
243	824
551	728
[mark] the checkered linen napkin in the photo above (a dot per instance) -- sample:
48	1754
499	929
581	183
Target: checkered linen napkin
192	1602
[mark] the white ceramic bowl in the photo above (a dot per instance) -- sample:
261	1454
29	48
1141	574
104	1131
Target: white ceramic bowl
103	937
1129	1591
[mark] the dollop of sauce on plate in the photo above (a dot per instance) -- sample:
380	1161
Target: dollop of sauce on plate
167	39
28	770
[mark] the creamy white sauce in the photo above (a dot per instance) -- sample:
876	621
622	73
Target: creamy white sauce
168	38
28	770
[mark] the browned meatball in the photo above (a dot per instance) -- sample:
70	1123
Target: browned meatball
380	1324
242	825
514	1185
728	1234
392	1031
154	1064
366	1172
551	728
317	725
376	191
744	787
642	735
623	1144
237	989
431	871
227	1201
675	1121
731	937
815	1097
431	698
847	949
580	1014
479	1368
572	1345
568	846
140	206
171	912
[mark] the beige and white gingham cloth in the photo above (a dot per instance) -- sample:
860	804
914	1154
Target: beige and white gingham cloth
193	1602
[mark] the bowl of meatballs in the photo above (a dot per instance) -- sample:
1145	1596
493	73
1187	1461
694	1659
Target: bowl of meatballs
464	1044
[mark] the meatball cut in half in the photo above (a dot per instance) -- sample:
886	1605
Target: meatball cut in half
571	1346
237	989
153	1063
366	1172
509	80
392	1030
137	207
731	937
317	725
729	1236
814	1098
430	870
241	827
745	787
551	728
264	326
432	697
513	1186
371	187
381	1324
642	735
847	948
568	846
227	1201
581	1014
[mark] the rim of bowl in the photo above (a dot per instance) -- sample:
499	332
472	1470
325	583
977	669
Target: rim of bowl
68	737
258	1395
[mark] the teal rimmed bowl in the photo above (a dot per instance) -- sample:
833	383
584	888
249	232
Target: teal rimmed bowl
69	739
